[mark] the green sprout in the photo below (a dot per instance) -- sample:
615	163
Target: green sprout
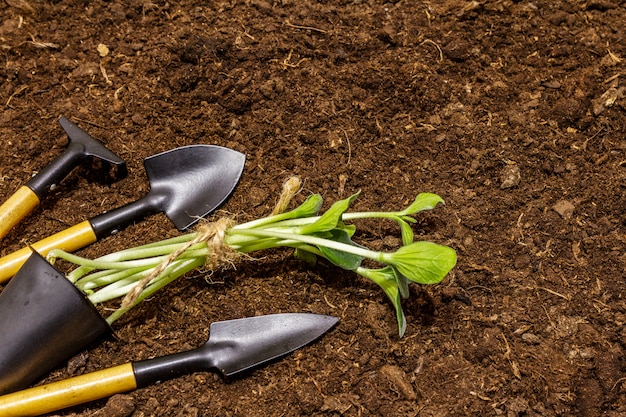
139	272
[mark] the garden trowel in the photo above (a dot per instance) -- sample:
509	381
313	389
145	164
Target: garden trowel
81	147
233	347
186	184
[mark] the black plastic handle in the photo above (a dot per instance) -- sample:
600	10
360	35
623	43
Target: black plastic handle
56	170
81	147
116	219
167	367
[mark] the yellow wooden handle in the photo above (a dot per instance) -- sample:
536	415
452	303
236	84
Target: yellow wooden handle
22	202
69	392
69	240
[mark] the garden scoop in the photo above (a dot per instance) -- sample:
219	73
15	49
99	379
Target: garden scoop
233	347
186	184
81	147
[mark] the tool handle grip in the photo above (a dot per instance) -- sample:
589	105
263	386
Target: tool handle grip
56	170
112	221
22	202
69	392
69	240
81	147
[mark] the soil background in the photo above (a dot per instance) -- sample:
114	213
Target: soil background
512	111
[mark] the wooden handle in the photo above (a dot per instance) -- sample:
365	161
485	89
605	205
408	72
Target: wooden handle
69	240
69	392
22	202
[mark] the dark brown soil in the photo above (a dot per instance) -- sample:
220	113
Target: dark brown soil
512	111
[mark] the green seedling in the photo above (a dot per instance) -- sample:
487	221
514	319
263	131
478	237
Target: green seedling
139	272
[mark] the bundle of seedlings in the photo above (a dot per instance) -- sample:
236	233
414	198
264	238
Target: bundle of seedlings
139	272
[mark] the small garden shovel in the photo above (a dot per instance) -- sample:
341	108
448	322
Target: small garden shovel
186	184
81	147
233	347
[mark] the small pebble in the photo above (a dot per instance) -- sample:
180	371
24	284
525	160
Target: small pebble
117	406
564	208
87	69
62	141
151	405
76	365
397	377
531	338
103	50
178	304
138	119
511	176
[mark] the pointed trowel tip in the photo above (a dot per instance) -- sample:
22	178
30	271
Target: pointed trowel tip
330	321
238	345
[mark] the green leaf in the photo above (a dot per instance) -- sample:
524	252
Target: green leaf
423	201
350	229
385	278
403	283
340	258
310	207
406	231
331	218
422	262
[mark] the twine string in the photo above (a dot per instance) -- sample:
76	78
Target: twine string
212	233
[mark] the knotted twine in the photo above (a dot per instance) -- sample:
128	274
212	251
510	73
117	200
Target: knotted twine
211	233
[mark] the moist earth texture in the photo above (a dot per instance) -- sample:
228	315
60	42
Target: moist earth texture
512	111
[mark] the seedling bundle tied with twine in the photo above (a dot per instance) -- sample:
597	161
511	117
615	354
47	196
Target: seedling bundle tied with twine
139	272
